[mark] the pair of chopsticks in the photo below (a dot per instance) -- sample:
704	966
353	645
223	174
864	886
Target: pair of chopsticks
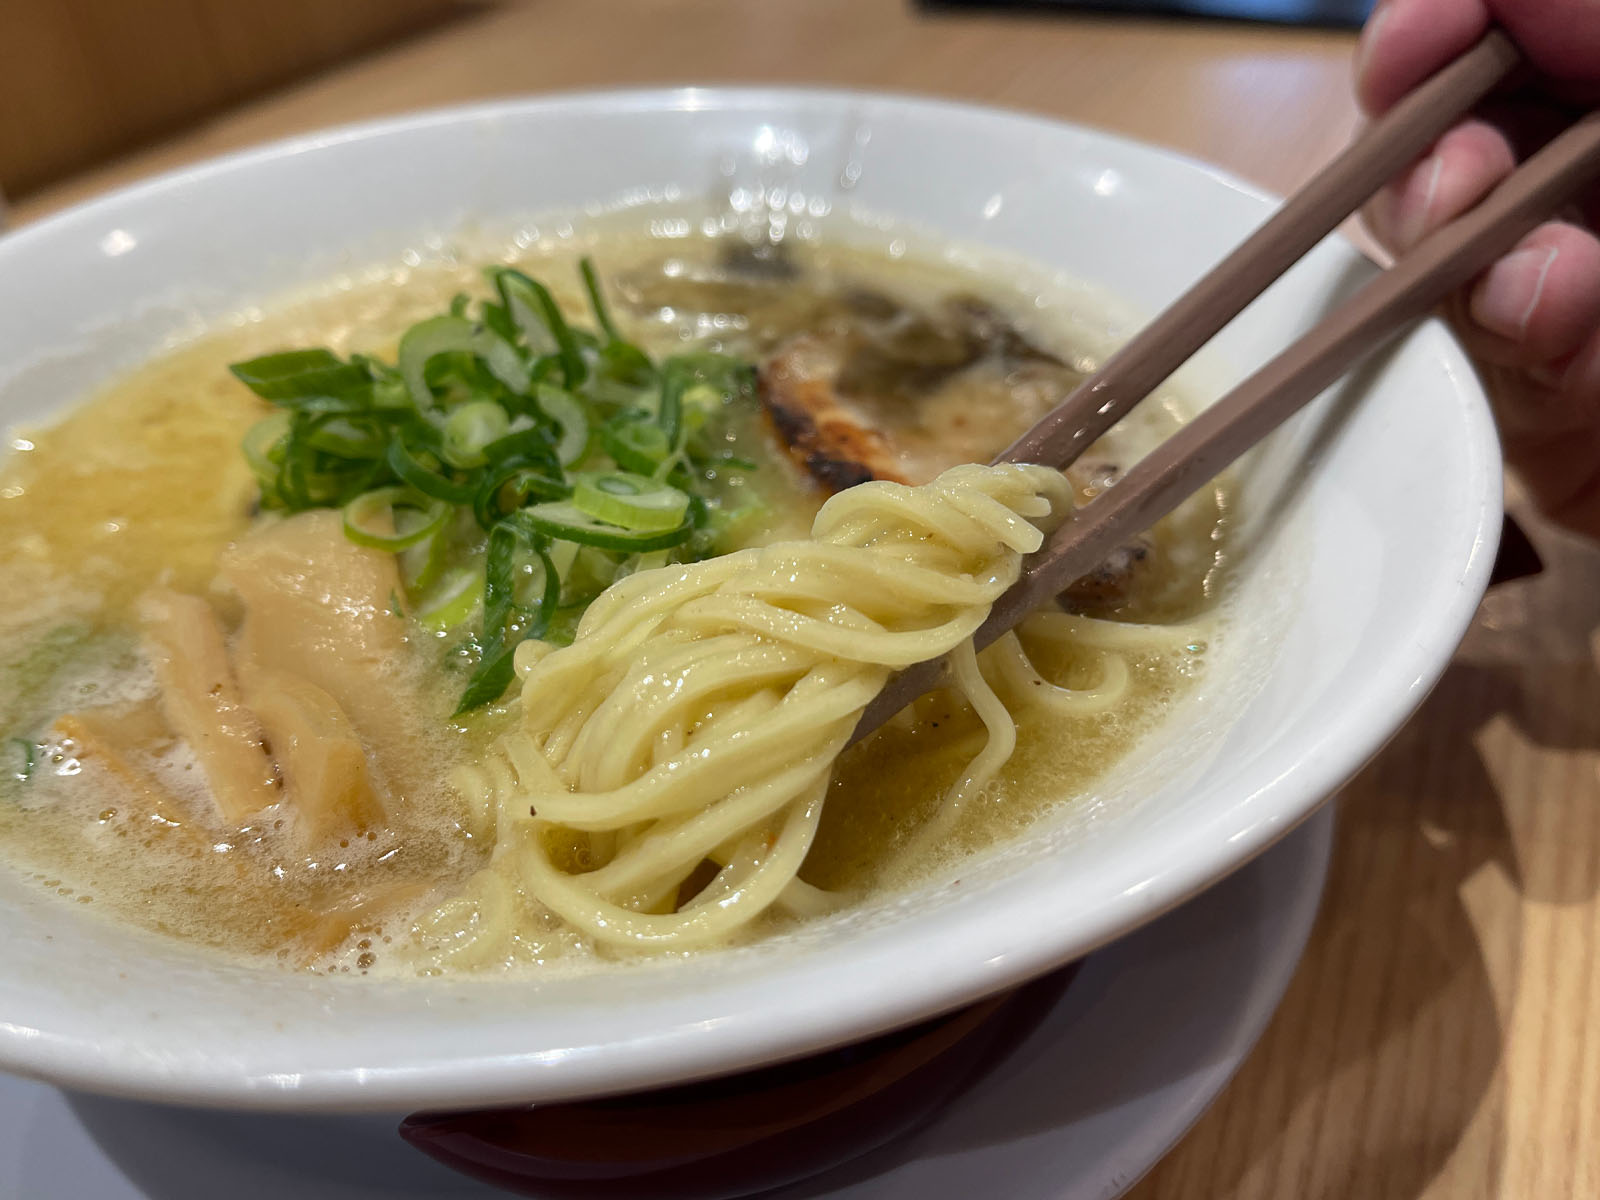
1376	315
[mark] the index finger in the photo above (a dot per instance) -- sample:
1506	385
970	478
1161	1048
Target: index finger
1406	41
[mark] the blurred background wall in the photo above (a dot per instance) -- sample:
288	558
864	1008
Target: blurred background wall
84	79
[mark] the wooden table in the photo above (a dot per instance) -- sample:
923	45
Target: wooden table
1437	1040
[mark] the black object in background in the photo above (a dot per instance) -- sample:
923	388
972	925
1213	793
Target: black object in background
1337	14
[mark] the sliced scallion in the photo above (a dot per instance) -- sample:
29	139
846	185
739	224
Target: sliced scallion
563	519
564	409
490	680
520	594
470	429
263	447
393	518
349	438
509	487
421	564
430	483
539	317
297	373
461	460
634	502
502	359
424	342
597	300
453	602
635	443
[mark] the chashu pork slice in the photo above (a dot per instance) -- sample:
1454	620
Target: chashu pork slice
847	415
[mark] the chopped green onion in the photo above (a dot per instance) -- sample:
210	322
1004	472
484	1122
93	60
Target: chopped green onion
430	483
470	429
526	447
499	591
311	478
263	448
538	315
563	519
344	437
627	364
429	339
669	413
597	300
300	373
484	418
635	443
624	378
489	681
586	571
523	310
421	563
702	396
453	603
504	363
515	566
365	518
563	408
634	502
509	488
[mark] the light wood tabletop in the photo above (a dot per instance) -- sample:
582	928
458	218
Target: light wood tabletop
1437	1040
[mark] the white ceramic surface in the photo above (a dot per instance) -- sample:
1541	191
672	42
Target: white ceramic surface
1371	520
1151	1029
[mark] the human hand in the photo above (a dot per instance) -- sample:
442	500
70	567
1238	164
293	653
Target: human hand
1532	320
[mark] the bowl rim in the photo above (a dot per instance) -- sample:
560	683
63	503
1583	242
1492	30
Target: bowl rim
679	1053
683	97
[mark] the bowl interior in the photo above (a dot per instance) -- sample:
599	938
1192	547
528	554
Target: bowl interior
1371	522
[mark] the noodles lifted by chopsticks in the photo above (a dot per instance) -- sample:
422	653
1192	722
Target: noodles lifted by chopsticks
697	715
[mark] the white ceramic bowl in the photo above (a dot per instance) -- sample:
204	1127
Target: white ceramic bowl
1372	521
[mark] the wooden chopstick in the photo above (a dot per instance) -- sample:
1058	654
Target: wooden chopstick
1313	212
1197	453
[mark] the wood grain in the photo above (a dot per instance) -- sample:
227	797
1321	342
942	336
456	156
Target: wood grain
80	79
1435	1042
1219	92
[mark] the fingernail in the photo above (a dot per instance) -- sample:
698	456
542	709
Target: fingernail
1505	301
1416	204
1369	39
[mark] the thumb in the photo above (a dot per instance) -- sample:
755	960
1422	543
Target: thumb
1560	37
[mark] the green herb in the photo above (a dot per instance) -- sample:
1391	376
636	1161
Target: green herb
637	503
429	482
566	521
470	430
516	465
636	443
393	518
299	375
521	591
597	301
452	602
